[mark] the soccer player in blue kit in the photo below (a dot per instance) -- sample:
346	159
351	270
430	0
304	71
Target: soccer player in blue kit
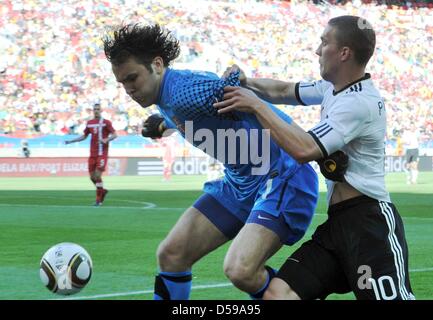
265	200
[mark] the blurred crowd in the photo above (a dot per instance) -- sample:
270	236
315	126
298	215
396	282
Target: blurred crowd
403	3
53	68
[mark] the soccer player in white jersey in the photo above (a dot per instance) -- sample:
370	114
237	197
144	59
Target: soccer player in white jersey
361	247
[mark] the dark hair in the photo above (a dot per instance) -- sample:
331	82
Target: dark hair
143	43
357	34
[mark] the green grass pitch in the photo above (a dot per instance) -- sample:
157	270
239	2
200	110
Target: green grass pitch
122	236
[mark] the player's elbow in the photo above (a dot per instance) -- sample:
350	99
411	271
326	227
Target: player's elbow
305	155
307	151
301	157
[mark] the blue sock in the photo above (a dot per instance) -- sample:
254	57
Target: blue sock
259	294
173	285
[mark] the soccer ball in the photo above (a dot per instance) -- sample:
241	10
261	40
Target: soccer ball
65	268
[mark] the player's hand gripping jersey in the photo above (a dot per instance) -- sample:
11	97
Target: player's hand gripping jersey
255	167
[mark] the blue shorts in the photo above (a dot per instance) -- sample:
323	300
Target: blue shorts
284	205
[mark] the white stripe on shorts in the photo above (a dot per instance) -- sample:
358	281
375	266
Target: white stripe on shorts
396	248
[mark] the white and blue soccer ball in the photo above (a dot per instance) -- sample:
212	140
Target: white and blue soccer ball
66	268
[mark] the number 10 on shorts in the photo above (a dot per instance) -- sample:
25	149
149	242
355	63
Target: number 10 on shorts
365	281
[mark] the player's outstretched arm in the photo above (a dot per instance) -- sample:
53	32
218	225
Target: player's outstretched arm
288	135
80	138
274	91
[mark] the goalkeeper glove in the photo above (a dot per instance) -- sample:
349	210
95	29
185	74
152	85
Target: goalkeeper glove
151	127
334	166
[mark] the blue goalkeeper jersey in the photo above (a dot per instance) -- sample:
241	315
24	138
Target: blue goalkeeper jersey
236	139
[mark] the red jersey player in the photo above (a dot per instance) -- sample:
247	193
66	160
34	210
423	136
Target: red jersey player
102	133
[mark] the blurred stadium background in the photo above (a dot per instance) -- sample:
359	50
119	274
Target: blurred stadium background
53	69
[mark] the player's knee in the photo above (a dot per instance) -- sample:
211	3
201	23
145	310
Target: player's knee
273	293
241	275
97	174
280	290
171	255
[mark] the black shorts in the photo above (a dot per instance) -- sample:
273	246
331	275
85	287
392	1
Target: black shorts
361	247
412	155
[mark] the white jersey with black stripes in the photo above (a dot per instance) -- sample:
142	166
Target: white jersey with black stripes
352	120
